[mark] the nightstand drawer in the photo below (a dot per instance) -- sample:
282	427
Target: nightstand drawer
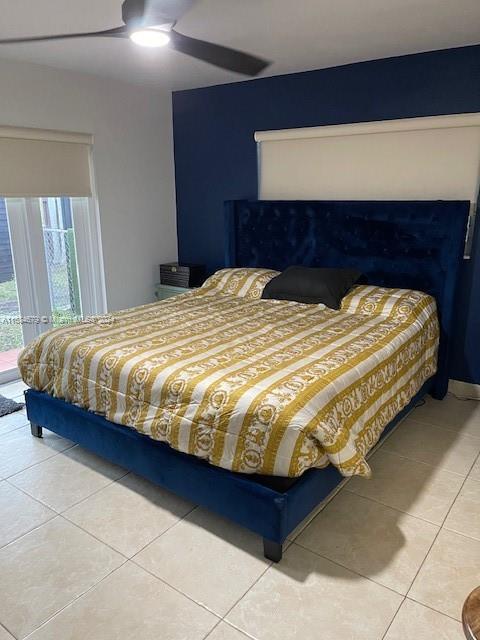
164	291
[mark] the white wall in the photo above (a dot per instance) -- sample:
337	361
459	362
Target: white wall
133	163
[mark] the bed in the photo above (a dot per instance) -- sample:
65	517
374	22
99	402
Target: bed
211	424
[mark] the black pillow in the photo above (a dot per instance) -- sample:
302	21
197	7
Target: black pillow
312	285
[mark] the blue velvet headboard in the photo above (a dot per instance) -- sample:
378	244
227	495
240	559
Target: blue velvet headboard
415	245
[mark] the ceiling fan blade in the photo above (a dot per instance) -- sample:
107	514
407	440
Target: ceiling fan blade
117	32
217	55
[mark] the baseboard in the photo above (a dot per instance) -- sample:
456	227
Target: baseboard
464	389
12	375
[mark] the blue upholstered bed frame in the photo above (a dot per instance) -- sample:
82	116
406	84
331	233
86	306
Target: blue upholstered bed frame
416	245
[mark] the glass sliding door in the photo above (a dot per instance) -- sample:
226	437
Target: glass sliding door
47	276
61	260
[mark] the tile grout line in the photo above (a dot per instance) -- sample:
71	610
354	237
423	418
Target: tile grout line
2	626
173	525
427	464
92	535
170	586
443	427
392	452
125	559
59	515
163	532
229	624
319	509
14	415
242	631
131	559
74	504
205	637
80	595
269	566
221	618
17	538
6	433
460	533
62	513
383	504
345	487
360	575
428	606
427	554
109	484
393	619
57	453
44	504
442	528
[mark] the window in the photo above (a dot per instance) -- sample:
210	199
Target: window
51	270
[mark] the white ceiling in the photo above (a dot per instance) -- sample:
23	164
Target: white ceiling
297	35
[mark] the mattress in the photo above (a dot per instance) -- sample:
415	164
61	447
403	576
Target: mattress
255	386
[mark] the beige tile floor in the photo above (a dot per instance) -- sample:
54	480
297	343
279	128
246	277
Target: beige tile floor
88	550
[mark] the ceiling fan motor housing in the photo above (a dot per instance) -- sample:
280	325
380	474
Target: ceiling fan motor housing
142	14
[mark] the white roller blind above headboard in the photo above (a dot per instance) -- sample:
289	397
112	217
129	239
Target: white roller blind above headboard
419	158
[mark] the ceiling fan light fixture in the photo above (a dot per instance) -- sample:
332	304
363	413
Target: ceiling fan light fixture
150	37
151	24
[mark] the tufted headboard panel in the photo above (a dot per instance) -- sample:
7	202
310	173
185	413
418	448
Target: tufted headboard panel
414	245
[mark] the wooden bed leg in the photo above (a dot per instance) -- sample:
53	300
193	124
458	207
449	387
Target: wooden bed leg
36	430
272	550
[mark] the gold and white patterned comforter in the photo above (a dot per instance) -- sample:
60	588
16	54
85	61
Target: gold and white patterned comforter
251	385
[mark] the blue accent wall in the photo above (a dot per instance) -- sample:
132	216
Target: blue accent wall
215	154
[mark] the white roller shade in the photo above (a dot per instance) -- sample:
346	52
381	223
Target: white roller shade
34	162
419	158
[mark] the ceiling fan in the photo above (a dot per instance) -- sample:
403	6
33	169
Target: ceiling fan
151	23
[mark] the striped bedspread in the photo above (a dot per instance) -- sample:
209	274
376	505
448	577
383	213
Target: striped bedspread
251	385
